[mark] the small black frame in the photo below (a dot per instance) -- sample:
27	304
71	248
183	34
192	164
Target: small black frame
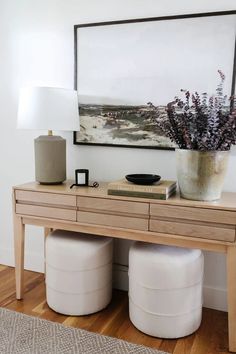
83	171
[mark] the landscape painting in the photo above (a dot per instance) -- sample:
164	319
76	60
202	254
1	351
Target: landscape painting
122	66
120	125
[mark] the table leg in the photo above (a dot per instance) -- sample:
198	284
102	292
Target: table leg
47	231
19	244
231	280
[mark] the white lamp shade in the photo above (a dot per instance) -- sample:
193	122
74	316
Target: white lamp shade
48	108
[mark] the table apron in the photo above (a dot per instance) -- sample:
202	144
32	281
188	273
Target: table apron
136	235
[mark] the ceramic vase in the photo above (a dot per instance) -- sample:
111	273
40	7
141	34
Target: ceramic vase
201	174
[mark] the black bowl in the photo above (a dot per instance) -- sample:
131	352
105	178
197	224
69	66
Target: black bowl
141	178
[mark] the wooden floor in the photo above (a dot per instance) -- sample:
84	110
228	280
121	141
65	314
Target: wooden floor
114	320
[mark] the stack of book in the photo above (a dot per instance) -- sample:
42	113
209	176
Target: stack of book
160	190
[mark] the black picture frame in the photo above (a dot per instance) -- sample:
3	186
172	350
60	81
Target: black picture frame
78	27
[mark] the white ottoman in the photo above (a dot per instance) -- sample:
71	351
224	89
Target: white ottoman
78	272
165	289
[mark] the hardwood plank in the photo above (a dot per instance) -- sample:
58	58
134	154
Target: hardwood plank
7	289
211	338
94	322
110	319
40	308
218	342
51	315
35	294
111	327
83	322
168	345
203	335
184	345
130	333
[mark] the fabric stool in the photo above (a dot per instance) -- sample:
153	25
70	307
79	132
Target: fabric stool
165	289
78	272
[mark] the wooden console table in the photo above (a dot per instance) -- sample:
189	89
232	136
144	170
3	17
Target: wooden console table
179	222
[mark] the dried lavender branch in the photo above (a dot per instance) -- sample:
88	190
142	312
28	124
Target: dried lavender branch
200	122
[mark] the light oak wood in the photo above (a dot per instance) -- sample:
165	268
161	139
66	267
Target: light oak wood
227	201
211	338
102	204
135	235
2	267
45	198
19	249
37	210
19	240
193	230
47	231
112	220
189	213
178	222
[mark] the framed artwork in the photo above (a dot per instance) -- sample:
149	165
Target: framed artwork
121	66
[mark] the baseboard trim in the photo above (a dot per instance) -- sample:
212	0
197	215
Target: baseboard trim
33	261
215	298
120	277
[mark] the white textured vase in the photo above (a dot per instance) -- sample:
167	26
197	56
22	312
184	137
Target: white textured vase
201	173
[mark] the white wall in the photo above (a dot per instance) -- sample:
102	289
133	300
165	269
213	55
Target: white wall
36	47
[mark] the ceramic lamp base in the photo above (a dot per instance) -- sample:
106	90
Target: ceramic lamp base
50	159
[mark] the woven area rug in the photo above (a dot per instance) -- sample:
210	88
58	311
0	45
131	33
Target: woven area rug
22	334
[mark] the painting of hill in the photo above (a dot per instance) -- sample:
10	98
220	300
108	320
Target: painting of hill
120	125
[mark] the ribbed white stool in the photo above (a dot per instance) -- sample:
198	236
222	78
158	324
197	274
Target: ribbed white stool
78	272
165	289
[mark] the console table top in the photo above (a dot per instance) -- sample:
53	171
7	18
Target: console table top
227	201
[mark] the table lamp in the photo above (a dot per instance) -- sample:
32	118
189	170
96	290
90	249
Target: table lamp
49	108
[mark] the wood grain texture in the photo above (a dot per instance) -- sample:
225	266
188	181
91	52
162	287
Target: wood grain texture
211	338
227	201
126	222
19	246
189	213
193	230
110	205
48	212
162	238
45	198
177	222
47	231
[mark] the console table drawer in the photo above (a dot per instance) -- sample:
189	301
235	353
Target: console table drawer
47	212
190	213
120	206
112	220
210	232
45	198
